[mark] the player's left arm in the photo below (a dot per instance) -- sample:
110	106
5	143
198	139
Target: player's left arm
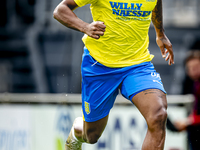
161	39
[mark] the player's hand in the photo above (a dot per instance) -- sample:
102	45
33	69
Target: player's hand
95	29
166	48
182	125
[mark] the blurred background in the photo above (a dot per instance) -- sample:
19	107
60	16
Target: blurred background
39	55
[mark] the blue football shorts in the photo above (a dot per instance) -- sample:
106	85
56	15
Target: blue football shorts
101	85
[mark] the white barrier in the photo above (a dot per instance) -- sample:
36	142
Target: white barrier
75	98
31	122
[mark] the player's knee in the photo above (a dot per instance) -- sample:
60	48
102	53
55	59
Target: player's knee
78	123
92	137
157	120
78	127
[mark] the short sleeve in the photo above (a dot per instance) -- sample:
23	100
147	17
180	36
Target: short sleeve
81	3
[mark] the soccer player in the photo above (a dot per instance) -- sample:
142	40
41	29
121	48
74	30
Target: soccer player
116	58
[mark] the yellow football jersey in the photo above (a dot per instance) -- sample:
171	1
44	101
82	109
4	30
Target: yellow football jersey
125	41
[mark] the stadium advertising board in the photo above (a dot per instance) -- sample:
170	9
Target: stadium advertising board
41	127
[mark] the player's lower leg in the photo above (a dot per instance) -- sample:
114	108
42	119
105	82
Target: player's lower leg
155	137
74	140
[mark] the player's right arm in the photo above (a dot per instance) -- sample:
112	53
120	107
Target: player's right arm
65	15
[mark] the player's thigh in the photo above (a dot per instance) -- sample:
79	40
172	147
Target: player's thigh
151	103
93	130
